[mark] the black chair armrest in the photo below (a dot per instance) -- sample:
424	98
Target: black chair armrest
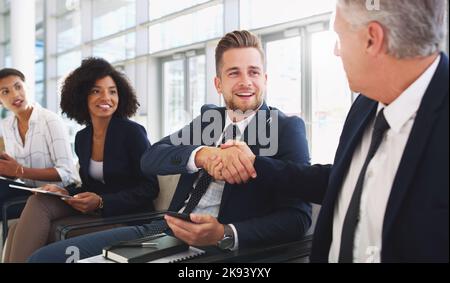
5	208
62	231
298	251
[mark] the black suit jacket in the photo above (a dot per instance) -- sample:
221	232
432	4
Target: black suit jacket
126	190
260	215
416	223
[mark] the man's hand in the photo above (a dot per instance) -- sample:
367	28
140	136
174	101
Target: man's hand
85	202
232	163
239	168
214	168
204	231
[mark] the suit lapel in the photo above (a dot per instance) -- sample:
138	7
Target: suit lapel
87	152
108	149
342	162
417	142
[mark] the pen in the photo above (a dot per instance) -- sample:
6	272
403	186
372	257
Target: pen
138	245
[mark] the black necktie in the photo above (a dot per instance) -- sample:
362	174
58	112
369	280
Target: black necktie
352	217
200	189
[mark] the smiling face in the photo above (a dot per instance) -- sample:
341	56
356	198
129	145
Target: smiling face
13	94
242	80
103	99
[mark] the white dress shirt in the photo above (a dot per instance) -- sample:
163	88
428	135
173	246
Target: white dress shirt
211	200
46	145
380	174
96	170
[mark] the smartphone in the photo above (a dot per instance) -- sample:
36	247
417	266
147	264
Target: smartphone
182	216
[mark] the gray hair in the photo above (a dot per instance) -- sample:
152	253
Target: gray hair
415	28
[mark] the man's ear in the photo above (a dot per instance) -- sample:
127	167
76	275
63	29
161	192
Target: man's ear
218	85
375	38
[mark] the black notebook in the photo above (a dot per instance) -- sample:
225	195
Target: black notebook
145	249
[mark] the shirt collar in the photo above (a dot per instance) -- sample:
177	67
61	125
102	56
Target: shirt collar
407	104
34	118
242	125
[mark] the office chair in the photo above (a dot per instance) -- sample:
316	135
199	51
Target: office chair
167	186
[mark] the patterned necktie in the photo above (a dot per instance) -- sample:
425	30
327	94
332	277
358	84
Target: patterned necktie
206	179
157	227
352	217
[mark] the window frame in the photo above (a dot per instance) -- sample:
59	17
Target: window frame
186	75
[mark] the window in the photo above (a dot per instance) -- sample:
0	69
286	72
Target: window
68	62
306	79
284	86
197	27
174	96
40	55
161	8
68	30
112	16
117	49
260	13
8	59
331	98
184	90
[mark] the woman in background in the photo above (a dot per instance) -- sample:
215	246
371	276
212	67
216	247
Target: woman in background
109	151
37	147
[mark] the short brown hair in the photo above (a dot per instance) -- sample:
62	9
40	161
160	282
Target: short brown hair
6	72
237	39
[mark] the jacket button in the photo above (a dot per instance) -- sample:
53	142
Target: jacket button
176	161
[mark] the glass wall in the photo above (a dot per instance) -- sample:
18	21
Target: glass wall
39	90
331	98
305	79
161	8
68	27
112	16
117	49
198	26
166	48
184	90
261	13
284	87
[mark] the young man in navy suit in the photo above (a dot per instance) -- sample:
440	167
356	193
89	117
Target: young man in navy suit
385	199
236	214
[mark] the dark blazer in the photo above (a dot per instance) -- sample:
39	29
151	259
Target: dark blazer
126	190
260	215
416	223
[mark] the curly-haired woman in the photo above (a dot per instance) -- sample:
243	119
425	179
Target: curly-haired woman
109	149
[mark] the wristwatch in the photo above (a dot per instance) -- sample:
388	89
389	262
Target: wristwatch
227	241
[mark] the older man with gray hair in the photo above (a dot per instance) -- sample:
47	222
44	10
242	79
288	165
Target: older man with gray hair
386	197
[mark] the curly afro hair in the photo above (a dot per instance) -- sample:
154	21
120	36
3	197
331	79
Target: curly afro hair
78	85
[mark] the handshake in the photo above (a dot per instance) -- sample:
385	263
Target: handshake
232	162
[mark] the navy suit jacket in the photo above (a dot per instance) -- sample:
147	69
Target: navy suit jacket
260	215
416	223
126	190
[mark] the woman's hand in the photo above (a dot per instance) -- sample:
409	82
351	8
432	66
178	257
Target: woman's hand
85	202
55	189
9	167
